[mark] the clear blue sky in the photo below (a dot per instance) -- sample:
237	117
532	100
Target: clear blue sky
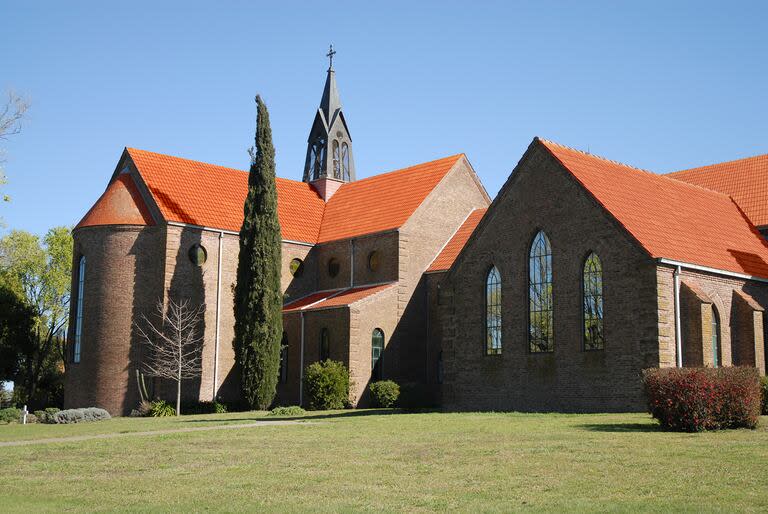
659	85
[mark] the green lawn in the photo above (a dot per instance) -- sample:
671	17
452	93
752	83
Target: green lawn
364	460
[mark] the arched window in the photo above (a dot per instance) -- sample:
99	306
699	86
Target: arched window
345	161
540	336
715	337
336	160
592	289
325	345
79	318
377	349
284	359
493	312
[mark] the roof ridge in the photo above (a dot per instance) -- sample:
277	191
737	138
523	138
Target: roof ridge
358	181
635	168
205	163
724	163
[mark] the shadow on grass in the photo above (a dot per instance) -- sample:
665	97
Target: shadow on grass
309	417
622	427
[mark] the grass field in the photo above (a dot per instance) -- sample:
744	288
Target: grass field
369	460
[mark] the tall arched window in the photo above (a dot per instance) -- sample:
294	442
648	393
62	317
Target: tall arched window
325	345
540	336
79	318
336	160
592	289
377	349
715	337
345	161
284	359
493	312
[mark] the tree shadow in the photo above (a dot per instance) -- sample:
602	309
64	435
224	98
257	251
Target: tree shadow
310	417
622	427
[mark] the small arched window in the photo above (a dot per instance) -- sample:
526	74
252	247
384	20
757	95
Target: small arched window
345	161
336	160
493	312
715	337
79	312
296	267
540	334
284	359
592	288
325	345
377	349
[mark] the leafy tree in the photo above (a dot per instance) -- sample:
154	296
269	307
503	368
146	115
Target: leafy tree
258	302
35	277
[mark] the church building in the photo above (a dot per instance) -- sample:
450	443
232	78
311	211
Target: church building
354	254
581	273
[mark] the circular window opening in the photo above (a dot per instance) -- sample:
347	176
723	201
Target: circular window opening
198	254
373	261
333	267
297	267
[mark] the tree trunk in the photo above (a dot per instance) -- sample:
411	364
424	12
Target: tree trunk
178	397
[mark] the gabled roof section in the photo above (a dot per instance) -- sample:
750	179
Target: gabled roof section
669	218
382	202
203	194
120	204
447	256
745	180
335	298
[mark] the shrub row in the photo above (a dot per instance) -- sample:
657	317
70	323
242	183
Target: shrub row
10	415
696	399
80	415
291	410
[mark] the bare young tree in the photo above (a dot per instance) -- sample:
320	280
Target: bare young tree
175	347
11	115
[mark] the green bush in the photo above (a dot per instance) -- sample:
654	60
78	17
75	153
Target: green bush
162	409
384	393
293	410
764	387
327	385
47	415
64	417
696	399
10	415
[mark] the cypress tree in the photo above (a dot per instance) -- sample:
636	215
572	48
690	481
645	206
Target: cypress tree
258	300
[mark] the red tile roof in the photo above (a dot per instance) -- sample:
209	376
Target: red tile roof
212	196
745	180
381	202
445	258
335	298
670	218
120	204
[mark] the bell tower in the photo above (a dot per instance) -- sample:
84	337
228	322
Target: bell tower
329	146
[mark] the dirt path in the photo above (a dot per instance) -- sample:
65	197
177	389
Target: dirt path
149	432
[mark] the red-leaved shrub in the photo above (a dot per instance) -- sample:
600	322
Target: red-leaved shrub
696	399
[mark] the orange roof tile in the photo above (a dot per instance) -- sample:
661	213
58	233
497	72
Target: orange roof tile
746	180
445	258
670	218
334	298
381	202
120	204
213	196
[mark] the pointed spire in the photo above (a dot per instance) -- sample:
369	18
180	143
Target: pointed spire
329	149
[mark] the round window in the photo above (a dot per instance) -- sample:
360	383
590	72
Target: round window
198	254
333	267
373	261
296	267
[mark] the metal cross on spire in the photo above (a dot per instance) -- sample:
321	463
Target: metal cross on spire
330	55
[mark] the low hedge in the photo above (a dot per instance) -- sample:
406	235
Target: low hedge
67	416
10	415
384	393
696	399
